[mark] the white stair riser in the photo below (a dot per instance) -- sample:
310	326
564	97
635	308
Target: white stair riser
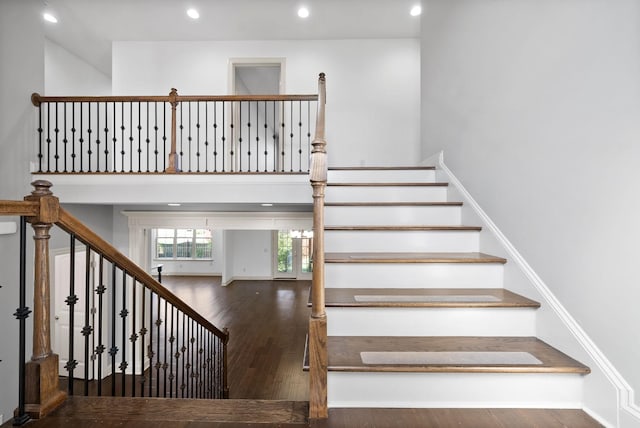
382	176
447	390
431	321
393	215
414	275
386	194
401	241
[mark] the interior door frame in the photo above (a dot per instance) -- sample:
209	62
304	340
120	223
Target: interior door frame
234	111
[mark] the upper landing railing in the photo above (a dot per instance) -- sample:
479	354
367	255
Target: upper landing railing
175	133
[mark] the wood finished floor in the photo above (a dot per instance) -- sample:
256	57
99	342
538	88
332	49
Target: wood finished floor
267	322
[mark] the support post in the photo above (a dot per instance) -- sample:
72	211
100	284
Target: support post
173	100
41	384
318	357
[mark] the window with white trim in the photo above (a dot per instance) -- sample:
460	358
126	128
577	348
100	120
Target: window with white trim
183	244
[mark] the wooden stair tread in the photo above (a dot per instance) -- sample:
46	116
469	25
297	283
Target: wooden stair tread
424	257
280	413
441	298
381	168
394	184
392	204
452	417
345	354
401	228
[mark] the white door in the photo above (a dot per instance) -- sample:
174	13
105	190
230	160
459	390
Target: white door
292	258
62	315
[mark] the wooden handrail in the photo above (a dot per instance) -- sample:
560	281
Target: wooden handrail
22	208
318	358
71	224
37	99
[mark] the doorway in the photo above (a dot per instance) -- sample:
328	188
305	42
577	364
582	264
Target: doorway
256	127
292	258
84	278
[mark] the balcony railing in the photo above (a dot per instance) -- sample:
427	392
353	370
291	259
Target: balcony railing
175	133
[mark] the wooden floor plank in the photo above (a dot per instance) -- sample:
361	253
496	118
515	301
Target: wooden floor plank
393	204
381	168
386	184
418	257
400	228
440	298
456	418
345	354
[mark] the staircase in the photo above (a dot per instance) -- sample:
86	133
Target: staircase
417	316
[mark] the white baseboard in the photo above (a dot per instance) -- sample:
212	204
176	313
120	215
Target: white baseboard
626	401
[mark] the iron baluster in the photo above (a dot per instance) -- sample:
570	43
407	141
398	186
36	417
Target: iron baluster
123	314
100	348
106	138
56	131
21	314
87	329
155	131
134	336
71	302
147	140
113	350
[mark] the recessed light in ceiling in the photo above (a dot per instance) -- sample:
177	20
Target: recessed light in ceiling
193	14
267	205
303	12
174	205
416	10
50	18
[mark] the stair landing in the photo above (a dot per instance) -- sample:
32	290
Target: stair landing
175	413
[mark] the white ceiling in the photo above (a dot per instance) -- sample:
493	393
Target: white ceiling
87	27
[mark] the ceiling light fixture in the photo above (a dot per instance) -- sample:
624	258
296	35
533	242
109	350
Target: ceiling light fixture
416	10
267	205
303	12
174	205
193	14
50	18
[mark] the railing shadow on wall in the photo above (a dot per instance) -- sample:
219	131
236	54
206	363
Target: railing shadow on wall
175	133
126	334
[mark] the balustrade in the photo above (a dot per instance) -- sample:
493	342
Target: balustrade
188	134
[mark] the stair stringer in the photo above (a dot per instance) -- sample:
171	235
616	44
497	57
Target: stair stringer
607	397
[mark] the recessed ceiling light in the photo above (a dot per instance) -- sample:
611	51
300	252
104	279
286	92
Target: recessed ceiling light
267	205
416	10
303	12
49	18
174	205
193	14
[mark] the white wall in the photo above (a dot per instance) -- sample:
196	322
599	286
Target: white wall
21	73
69	75
373	101
249	255
536	105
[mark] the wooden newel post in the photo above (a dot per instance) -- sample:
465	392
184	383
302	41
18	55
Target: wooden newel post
318	357
41	385
173	100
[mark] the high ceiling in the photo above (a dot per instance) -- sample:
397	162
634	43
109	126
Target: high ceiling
87	27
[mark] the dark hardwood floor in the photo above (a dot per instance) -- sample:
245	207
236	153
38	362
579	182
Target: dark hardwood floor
267	322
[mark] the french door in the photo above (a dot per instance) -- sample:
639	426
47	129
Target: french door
292	258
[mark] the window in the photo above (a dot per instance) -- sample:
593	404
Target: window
184	244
